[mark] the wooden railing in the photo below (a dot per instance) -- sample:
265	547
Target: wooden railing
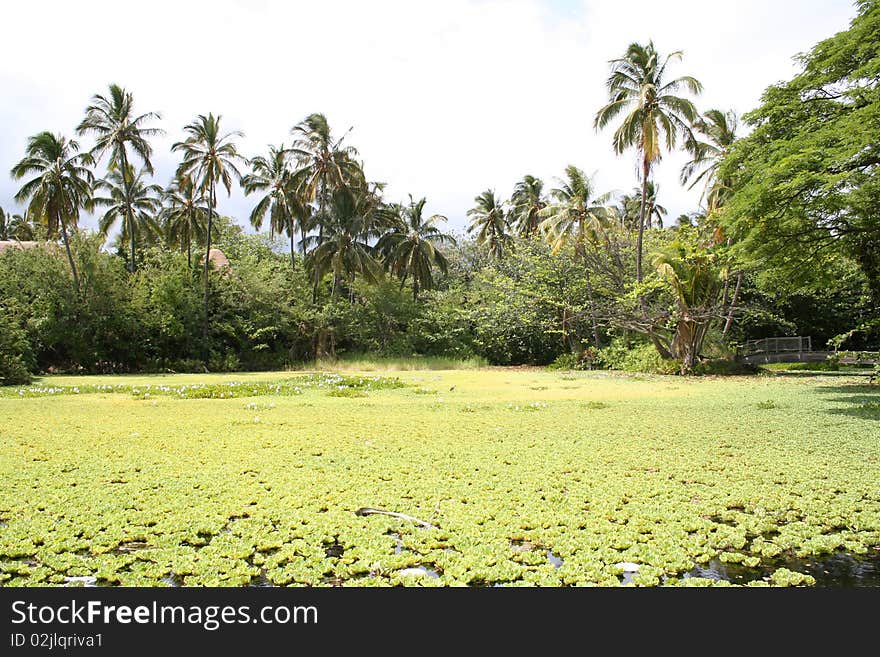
776	346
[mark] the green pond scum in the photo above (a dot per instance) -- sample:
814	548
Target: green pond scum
486	477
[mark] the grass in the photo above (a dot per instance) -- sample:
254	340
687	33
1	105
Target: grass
597	468
372	363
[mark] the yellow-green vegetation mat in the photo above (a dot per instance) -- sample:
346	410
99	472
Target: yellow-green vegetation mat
506	476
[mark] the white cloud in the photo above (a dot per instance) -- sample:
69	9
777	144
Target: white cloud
446	99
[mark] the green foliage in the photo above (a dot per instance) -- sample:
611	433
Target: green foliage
16	359
805	183
636	357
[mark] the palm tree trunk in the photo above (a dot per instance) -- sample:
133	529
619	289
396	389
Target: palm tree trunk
292	261
211	203
733	300
646	165
189	259
415	288
320	237
129	215
595	323
66	241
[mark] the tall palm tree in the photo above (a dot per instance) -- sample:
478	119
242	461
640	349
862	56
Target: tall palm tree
342	248
61	187
717	133
324	163
527	202
184	215
411	249
654	113
209	157
490	222
117	129
15	227
129	199
281	201
576	212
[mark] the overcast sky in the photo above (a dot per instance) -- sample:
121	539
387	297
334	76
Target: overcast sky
445	99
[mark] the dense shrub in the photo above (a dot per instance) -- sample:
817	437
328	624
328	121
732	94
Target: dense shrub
636	357
15	351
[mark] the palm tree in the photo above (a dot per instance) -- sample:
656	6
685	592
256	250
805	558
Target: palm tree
637	84
61	187
342	248
653	210
116	128
15	227
209	157
132	201
696	282
490	222
411	248
718	129
324	164
184	215
527	202
273	175
576	212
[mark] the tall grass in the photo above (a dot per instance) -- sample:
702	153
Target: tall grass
373	363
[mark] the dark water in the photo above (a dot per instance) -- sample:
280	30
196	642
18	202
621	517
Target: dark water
837	570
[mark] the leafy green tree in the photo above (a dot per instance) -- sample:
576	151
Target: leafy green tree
490	222
209	157
805	183
652	113
117	129
60	187
273	176
526	204
184	216
131	201
411	249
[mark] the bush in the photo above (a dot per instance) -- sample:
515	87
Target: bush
15	351
724	367
638	357
585	360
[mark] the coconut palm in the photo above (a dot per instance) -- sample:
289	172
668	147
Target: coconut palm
324	163
718	132
132	201
209	157
341	247
281	201
117	129
527	202
184	215
61	186
653	113
411	250
653	210
15	227
490	222
576	212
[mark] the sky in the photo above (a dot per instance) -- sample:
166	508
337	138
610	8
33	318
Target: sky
442	99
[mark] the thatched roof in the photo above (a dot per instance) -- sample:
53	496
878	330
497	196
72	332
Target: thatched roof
15	244
218	259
